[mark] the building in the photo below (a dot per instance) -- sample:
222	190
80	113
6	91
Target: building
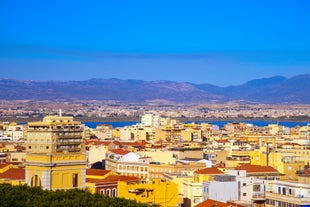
261	172
55	154
206	174
238	187
283	193
127	163
11	174
193	189
105	182
157	169
286	163
155	191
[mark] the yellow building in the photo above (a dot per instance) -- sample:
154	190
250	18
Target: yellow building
179	178
55	154
285	163
258	156
237	158
156	191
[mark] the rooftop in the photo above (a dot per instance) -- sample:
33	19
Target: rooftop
120	151
256	168
209	171
97	172
13	174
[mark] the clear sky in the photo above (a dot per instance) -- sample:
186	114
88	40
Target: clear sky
217	42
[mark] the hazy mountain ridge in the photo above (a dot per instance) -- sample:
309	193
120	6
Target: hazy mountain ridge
274	90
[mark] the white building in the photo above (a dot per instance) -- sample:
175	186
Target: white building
150	120
127	163
235	186
282	193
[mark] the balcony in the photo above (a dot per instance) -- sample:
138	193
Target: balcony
69	142
288	198
258	195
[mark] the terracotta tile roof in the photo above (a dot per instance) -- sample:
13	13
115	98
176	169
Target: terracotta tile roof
120	151
212	203
4	165
14	174
256	168
97	172
209	171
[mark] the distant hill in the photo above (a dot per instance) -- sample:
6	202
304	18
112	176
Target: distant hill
274	90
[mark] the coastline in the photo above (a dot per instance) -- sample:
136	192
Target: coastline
184	119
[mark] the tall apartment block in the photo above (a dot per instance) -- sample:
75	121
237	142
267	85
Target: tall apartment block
55	154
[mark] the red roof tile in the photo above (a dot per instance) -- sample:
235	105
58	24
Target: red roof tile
14	174
256	168
209	171
211	203
3	165
120	151
97	172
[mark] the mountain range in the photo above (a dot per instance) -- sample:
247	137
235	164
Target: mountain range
274	90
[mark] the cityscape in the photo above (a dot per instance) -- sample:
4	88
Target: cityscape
155	103
161	160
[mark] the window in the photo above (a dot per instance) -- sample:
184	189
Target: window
108	192
102	192
47	147
256	188
196	200
75	180
114	192
289	168
244	184
244	194
29	147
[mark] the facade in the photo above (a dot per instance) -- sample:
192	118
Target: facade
157	170
206	174
55	155
104	182
127	163
192	193
286	163
155	191
238	187
282	193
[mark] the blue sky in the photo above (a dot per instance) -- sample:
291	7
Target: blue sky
217	42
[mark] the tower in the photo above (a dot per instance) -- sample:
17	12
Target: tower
55	154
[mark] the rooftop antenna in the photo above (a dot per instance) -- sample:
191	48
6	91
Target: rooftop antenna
60	112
